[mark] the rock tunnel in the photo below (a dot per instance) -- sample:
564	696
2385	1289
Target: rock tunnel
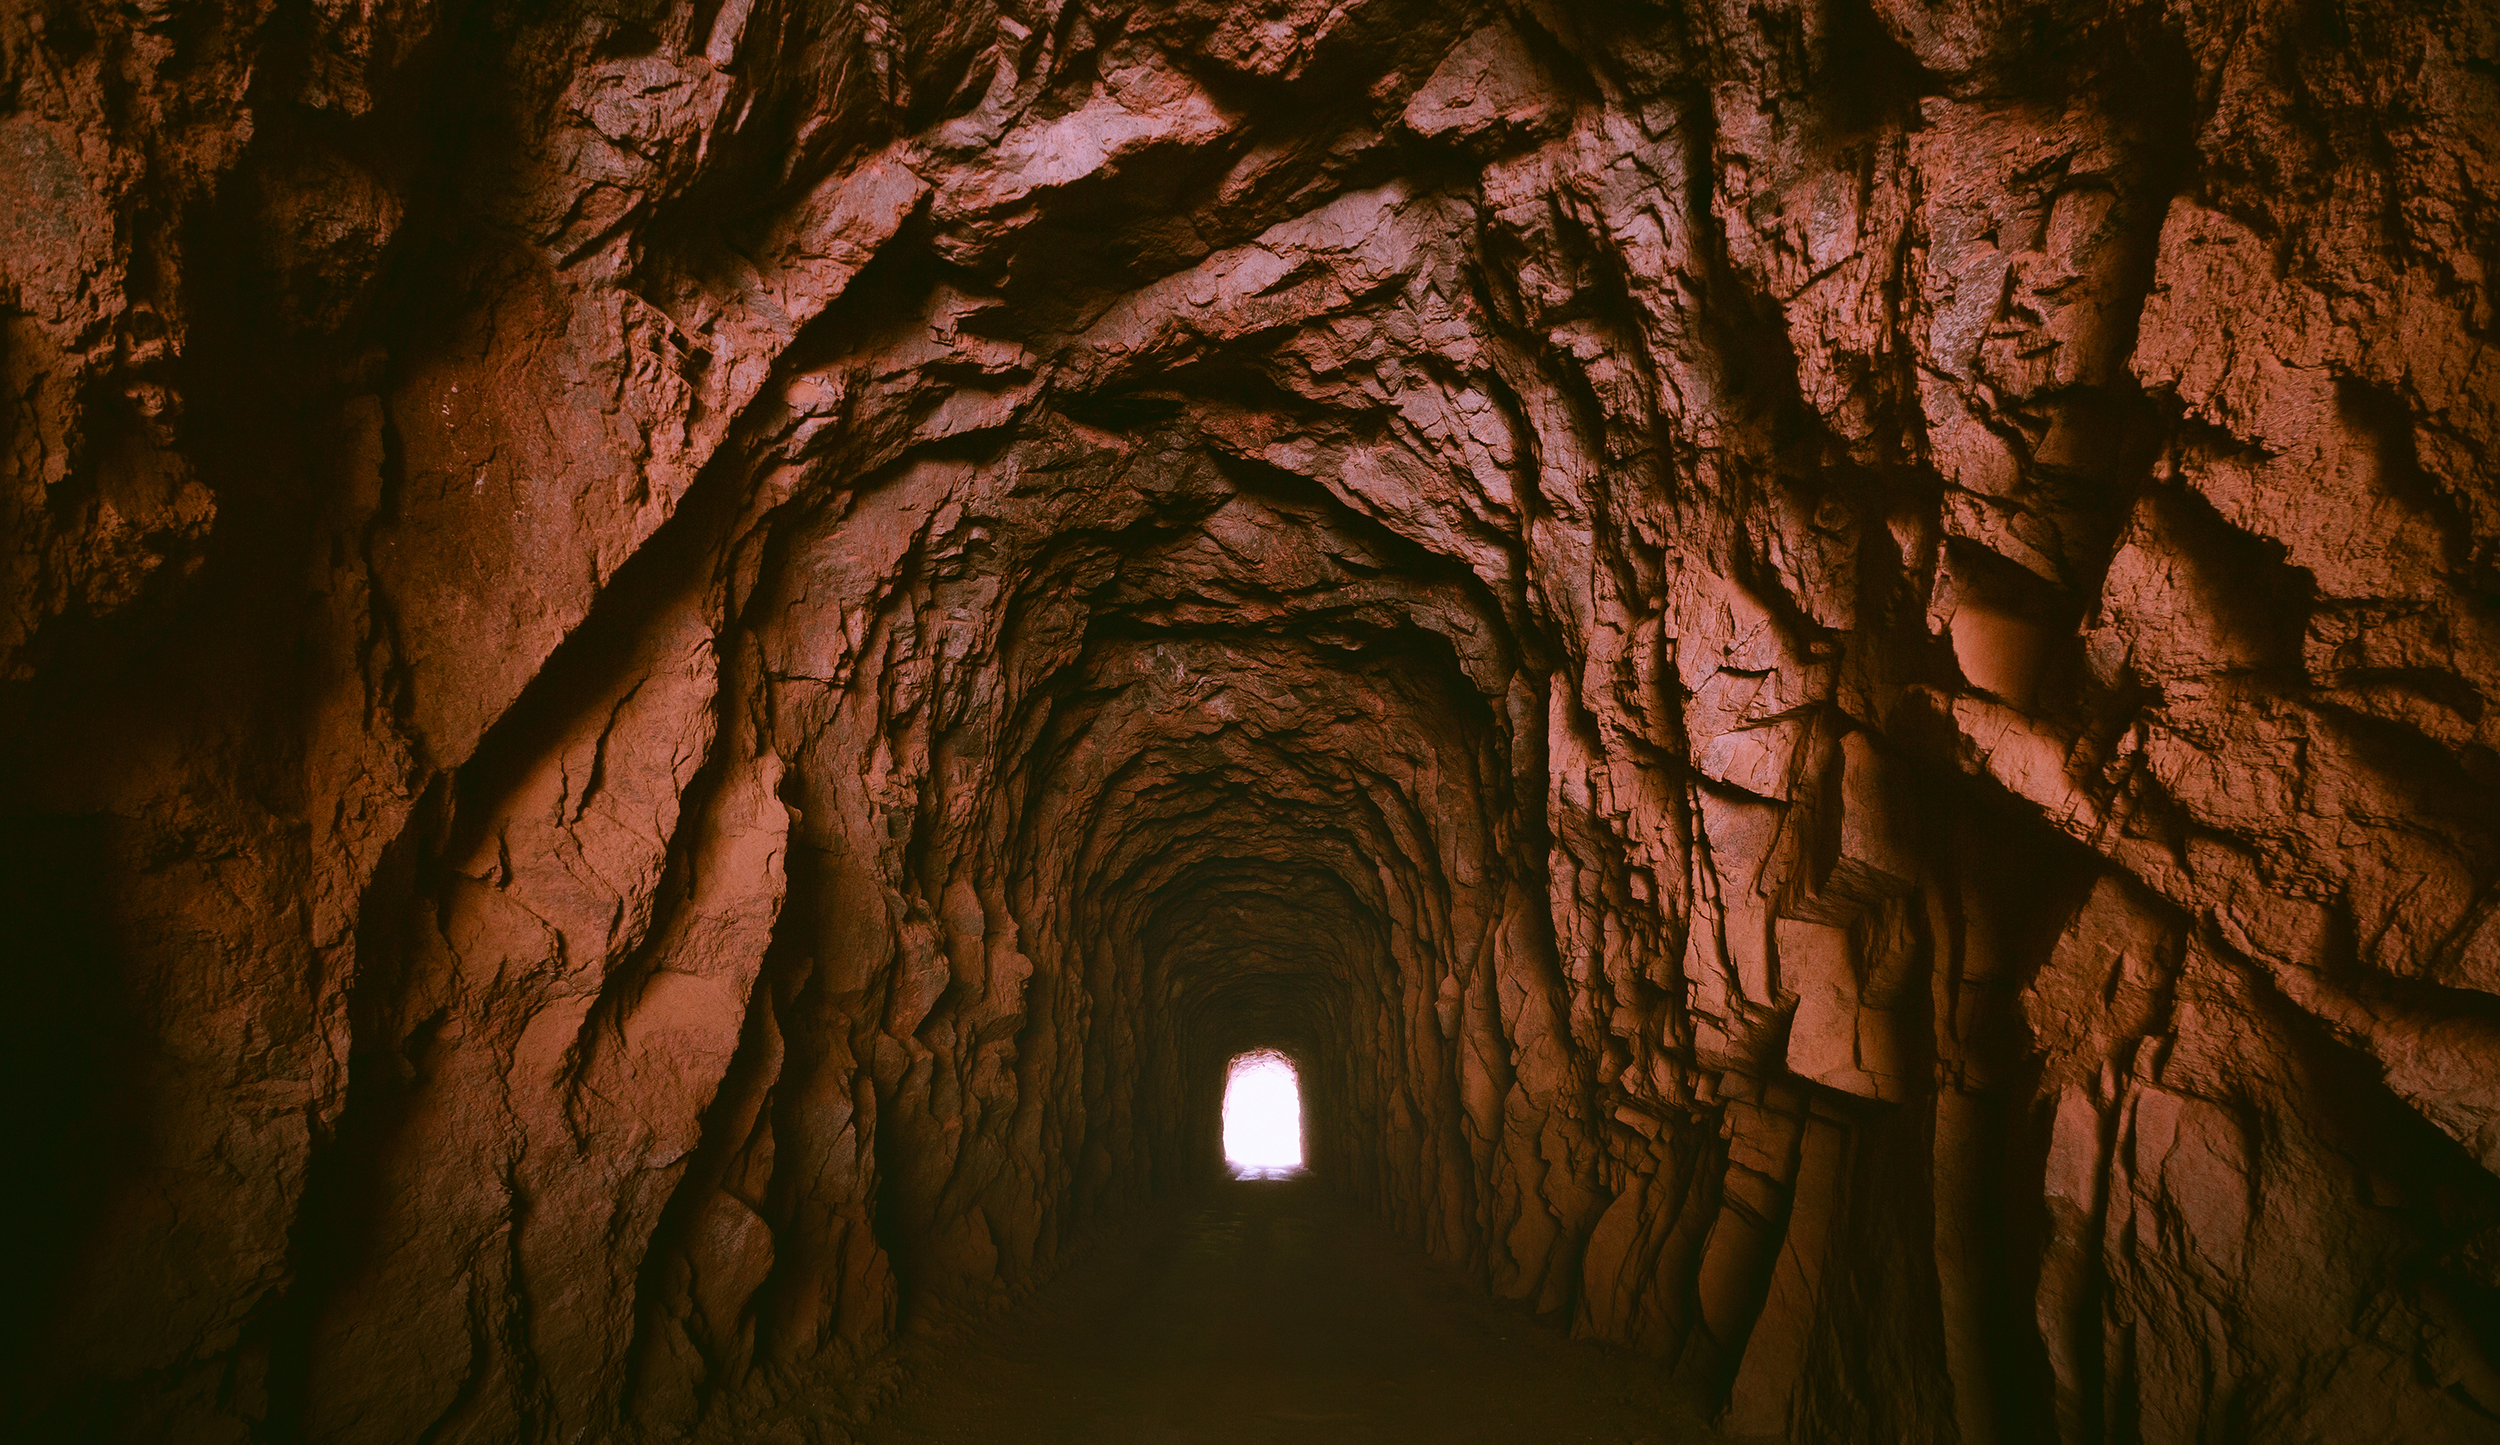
678	674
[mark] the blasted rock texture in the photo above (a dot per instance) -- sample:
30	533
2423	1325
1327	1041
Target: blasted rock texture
674	674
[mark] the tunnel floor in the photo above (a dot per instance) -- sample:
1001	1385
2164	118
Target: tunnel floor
1271	1312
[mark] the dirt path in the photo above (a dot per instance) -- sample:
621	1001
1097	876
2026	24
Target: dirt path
1271	1313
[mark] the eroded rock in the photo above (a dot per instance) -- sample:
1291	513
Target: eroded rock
676	675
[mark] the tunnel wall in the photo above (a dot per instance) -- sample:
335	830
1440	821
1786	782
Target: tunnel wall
675	674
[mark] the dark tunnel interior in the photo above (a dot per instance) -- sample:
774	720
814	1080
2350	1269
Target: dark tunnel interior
681	676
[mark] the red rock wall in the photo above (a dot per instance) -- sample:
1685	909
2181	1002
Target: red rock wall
674	675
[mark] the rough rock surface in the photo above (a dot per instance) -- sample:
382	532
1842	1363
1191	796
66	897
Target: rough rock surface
674	674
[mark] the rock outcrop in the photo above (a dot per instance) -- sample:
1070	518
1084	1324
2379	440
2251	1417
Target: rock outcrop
677	673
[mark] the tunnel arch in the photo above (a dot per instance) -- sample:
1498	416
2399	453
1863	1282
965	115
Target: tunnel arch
1830	665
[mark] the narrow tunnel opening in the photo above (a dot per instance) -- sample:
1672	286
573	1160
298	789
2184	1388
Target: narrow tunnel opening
1263	1116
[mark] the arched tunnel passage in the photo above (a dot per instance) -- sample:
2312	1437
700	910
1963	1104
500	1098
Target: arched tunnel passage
1828	665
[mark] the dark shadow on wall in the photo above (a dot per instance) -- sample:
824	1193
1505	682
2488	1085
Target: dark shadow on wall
69	1049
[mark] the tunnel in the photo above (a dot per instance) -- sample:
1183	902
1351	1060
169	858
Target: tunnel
685	681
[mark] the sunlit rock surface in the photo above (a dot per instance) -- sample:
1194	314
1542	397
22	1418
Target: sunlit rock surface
674	677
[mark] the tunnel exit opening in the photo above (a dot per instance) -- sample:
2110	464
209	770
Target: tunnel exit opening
1263	1116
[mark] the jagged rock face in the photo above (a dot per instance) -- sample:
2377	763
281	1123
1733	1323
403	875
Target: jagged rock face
677	675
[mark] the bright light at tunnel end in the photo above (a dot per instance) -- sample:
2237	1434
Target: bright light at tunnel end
1263	1117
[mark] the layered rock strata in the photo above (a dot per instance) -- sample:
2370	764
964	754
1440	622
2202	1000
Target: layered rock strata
677	673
